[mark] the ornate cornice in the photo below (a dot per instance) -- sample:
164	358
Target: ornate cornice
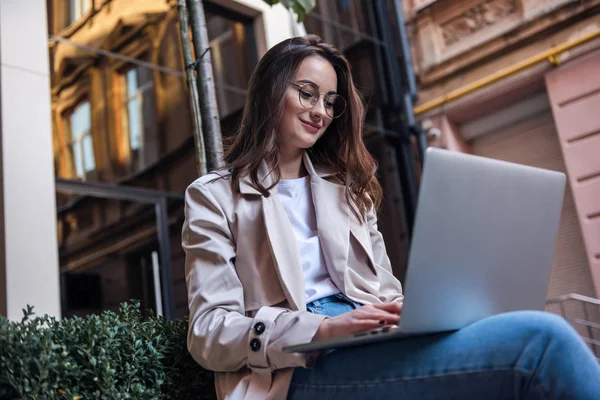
476	18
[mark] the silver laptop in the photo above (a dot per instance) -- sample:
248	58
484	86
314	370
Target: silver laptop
483	243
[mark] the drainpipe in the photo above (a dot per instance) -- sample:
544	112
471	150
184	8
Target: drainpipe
193	88
411	94
406	57
211	123
398	108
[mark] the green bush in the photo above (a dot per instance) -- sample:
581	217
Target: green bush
109	356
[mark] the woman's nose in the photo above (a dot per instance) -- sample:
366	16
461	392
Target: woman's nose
319	108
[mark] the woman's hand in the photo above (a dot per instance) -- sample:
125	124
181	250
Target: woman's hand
361	319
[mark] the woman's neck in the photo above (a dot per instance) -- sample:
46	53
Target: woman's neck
291	165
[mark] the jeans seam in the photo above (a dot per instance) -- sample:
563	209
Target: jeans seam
533	375
534	380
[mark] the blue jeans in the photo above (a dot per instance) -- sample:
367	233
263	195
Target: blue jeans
517	355
332	305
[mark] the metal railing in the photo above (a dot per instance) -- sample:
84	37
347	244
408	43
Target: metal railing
137	195
590	321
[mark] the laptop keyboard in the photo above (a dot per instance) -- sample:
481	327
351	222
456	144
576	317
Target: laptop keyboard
378	331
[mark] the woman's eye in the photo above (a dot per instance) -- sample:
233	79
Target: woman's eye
329	104
305	94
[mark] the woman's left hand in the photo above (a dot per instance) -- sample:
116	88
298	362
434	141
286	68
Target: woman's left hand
364	318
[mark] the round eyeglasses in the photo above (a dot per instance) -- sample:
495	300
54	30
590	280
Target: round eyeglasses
309	95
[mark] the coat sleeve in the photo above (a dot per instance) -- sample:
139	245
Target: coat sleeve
220	336
390	288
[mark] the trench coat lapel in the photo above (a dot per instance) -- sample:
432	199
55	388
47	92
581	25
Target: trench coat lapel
332	214
336	223
284	249
282	240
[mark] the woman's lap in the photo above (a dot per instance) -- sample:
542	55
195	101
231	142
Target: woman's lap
332	305
522	354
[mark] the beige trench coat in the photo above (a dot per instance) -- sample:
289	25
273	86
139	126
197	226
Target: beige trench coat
246	285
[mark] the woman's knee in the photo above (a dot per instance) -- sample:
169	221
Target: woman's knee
537	324
541	321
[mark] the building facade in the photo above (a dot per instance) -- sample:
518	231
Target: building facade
489	83
120	116
519	80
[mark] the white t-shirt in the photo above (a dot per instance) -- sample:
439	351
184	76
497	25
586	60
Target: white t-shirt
297	201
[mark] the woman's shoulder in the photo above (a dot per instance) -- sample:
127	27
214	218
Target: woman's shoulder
218	183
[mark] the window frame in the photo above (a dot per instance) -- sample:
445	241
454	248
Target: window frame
71	141
74	15
248	58
147	92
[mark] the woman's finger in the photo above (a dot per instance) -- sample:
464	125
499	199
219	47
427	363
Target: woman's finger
365	325
394	307
378	310
376	314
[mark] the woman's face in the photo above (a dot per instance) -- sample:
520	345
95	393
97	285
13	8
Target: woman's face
301	127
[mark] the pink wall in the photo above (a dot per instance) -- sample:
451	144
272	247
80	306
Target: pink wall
574	92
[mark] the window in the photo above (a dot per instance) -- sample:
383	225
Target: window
344	23
137	109
234	55
78	8
143	279
82	146
347	24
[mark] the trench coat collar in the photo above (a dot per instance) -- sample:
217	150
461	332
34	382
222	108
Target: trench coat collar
335	224
266	175
280	233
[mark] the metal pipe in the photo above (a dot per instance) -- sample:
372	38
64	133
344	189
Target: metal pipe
378	60
164	252
395	111
549	55
158	302
116	192
590	332
192	87
409	74
211	123
391	64
572	296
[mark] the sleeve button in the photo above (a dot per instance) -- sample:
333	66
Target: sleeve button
259	328
255	345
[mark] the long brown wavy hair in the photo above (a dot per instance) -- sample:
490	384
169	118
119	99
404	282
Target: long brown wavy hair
341	147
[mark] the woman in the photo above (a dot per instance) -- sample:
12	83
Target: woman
283	248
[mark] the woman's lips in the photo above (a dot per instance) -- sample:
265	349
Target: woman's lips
312	128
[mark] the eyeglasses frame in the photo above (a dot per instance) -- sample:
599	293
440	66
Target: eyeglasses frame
325	95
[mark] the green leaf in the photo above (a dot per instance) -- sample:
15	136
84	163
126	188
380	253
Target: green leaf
307	5
95	358
300	7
